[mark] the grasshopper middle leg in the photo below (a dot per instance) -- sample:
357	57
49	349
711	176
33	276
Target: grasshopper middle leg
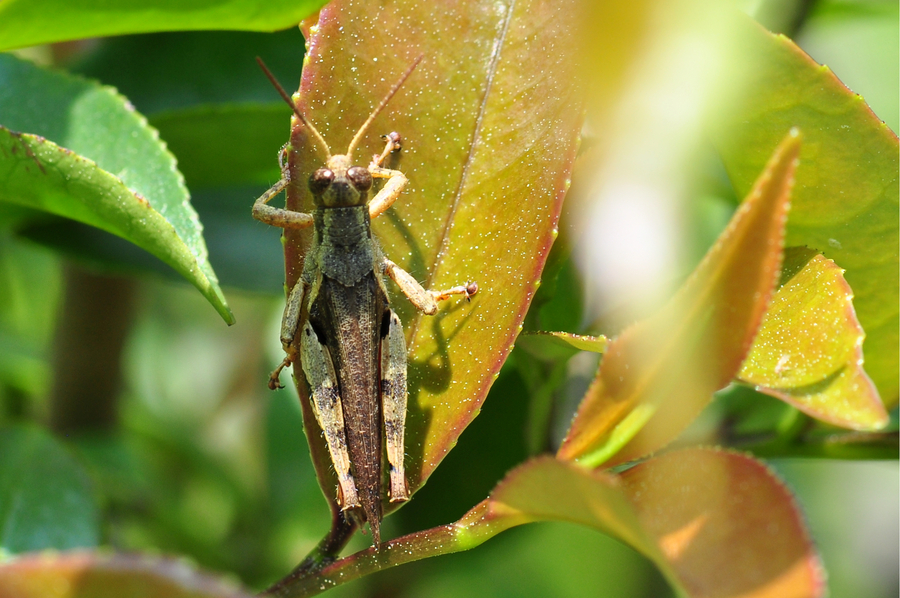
290	321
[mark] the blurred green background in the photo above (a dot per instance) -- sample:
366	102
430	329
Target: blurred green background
175	444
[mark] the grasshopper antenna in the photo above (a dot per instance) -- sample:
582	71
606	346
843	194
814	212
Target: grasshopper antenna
380	107
296	110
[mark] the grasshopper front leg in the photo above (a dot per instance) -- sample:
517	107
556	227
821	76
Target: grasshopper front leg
326	403
279	217
396	180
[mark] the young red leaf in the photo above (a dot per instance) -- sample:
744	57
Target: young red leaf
659	374
726	524
809	348
94	575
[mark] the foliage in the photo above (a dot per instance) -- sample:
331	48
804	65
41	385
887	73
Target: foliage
195	460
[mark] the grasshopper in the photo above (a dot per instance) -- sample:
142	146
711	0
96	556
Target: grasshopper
339	323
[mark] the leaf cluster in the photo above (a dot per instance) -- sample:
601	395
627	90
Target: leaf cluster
789	315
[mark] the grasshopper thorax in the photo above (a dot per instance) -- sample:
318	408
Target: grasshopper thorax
340	184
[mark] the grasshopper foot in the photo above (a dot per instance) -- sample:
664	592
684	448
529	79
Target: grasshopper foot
469	289
275	377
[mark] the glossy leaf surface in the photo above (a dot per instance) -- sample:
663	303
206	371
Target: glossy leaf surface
205	94
489	124
846	197
718	525
46	497
657	376
79	150
24	23
809	348
94	575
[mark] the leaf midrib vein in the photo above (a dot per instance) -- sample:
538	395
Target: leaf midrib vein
476	132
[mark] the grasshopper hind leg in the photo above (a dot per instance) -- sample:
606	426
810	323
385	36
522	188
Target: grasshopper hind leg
393	404
326	403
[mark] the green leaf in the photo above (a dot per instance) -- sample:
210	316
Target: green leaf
560	345
247	254
716	524
98	575
24	23
205	94
659	374
808	351
76	149
856	40
846	196
46	498
22	364
489	121
207	97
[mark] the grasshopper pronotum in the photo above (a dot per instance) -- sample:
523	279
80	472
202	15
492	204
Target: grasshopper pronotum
351	344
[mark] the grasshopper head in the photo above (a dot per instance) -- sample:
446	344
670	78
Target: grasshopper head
340	184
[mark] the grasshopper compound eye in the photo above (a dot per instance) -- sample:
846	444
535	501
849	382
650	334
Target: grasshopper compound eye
360	177
320	180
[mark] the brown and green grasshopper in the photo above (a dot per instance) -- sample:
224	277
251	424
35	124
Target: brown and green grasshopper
339	323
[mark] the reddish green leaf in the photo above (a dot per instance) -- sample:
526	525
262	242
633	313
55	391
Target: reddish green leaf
657	376
489	123
95	575
808	351
846	197
548	489
726	525
716	524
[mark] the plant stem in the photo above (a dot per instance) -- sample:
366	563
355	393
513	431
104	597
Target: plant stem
315	575
325	552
